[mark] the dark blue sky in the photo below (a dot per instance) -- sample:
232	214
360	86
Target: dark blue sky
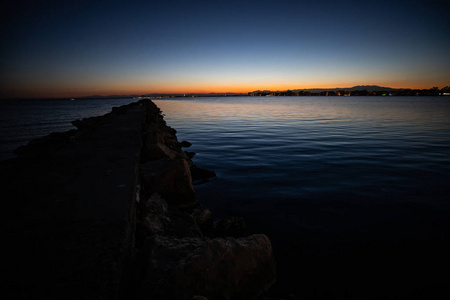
74	48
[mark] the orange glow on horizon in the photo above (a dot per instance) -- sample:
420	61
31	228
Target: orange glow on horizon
33	91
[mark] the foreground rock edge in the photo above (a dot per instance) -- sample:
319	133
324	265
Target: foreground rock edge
171	248
181	253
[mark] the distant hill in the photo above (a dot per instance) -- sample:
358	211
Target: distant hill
374	88
358	90
369	88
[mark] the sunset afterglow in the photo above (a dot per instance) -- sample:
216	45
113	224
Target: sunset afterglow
71	49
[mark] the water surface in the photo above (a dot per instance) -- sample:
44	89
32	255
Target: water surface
345	187
352	191
394	148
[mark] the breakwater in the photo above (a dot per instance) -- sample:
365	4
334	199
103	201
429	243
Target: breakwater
109	211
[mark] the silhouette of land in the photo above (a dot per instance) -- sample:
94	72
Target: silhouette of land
360	90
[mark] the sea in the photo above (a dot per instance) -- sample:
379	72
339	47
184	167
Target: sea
352	191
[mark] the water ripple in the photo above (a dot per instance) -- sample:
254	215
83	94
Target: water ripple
293	148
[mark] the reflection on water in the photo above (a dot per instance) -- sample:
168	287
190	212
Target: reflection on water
308	147
336	182
347	188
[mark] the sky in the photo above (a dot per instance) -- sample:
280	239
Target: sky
79	48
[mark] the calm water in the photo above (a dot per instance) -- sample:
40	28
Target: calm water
345	187
318	148
352	191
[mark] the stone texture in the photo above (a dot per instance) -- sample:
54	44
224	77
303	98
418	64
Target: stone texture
171	179
232	226
204	220
185	144
220	268
160	220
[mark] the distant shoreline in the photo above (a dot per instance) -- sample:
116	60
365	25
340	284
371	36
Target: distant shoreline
281	94
359	90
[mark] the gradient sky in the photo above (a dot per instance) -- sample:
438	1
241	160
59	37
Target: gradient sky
75	48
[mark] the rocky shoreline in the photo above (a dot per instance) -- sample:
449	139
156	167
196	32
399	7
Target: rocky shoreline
184	254
147	238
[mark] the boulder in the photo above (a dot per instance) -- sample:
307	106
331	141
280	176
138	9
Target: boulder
220	268
201	174
171	179
197	297
185	144
190	154
204	220
155	147
159	220
155	210
232	226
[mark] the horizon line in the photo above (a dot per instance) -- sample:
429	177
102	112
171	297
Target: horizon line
162	93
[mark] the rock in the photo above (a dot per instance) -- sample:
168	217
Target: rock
78	123
233	226
204	220
181	225
47	145
220	268
156	204
185	144
197	297
91	123
156	147
155	218
190	154
201	174
171	179
159	220
177	260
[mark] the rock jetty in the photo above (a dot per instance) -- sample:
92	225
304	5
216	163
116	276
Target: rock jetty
109	211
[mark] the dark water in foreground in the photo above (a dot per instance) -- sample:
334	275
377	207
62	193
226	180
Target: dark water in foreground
352	191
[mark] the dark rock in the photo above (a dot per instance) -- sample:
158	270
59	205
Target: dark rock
155	210
171	179
159	220
155	147
204	220
172	130
197	297
119	110
190	154
185	144
78	123
233	226
220	268
73	204
91	123
201	174
182	225
46	145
